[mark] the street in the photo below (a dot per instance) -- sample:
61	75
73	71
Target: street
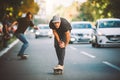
82	62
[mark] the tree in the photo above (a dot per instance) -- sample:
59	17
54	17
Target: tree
85	12
96	9
113	8
29	5
13	7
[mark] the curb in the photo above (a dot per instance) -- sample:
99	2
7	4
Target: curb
8	48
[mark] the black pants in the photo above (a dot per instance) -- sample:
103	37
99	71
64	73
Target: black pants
60	52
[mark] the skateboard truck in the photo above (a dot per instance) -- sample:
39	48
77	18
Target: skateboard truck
58	71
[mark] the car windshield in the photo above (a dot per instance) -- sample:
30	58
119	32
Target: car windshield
44	27
110	24
81	26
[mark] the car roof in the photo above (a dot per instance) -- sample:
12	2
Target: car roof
83	22
109	19
42	24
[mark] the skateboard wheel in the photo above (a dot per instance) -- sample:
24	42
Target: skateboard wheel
58	71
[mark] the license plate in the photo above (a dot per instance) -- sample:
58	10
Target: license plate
114	39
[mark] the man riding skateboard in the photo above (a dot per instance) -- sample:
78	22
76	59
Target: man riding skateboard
61	29
23	24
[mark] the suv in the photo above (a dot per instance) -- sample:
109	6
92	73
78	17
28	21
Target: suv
81	32
106	32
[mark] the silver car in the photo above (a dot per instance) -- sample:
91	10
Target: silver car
106	33
43	31
81	32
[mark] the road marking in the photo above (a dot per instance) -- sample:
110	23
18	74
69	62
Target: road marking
87	54
9	47
111	65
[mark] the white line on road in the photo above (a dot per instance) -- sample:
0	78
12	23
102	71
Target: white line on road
10	46
111	65
87	54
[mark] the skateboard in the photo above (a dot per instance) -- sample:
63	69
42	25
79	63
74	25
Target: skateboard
58	71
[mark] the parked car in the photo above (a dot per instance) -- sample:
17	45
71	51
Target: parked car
43	31
81	32
106	32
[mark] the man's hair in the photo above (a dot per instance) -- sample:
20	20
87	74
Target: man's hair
29	13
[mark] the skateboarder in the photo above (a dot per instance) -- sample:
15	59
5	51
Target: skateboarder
61	29
23	24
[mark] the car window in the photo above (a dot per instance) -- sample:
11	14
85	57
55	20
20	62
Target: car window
44	27
110	24
81	26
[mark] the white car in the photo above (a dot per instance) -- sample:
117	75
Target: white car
43	31
81	32
107	32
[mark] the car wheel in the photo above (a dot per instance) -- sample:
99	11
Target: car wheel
50	36
70	42
96	45
36	37
93	44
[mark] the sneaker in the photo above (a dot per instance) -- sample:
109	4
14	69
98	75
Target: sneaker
59	67
25	56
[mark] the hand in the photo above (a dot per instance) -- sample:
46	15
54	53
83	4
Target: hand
9	29
35	27
62	44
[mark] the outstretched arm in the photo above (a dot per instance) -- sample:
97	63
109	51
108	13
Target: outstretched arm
14	23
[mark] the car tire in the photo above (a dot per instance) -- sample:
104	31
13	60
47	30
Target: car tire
36	37
70	42
50	36
93	44
96	45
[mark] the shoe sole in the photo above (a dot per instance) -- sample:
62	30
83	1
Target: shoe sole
23	57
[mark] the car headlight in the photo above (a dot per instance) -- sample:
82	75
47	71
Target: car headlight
37	33
101	34
72	39
49	33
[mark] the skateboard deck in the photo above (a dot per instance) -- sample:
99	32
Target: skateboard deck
58	71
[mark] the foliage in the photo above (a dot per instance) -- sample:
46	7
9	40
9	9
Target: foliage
94	9
17	7
29	5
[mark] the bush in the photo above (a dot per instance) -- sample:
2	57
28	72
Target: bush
9	42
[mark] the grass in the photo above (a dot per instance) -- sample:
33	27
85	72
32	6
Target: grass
9	42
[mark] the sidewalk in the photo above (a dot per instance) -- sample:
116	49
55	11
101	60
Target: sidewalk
9	47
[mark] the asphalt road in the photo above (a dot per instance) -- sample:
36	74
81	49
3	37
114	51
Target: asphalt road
82	62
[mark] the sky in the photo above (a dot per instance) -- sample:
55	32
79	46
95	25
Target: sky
63	2
52	3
